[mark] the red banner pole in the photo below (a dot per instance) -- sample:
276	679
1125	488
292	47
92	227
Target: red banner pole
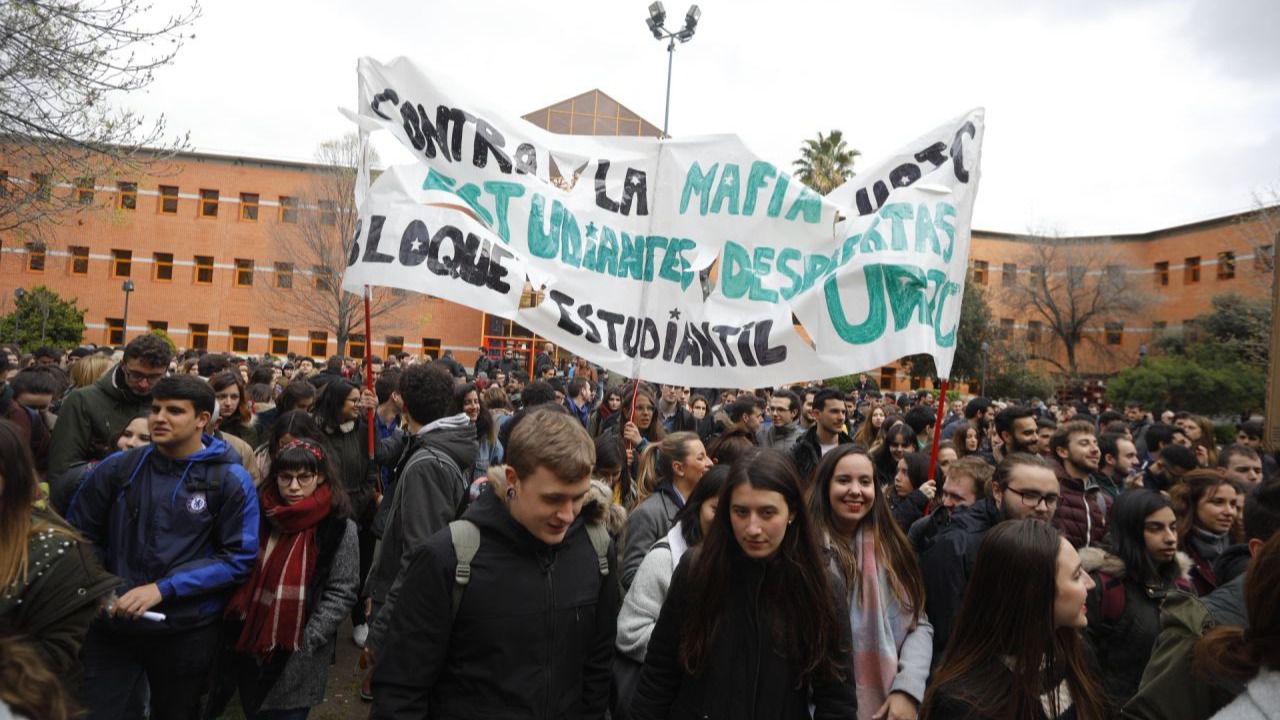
368	364
937	431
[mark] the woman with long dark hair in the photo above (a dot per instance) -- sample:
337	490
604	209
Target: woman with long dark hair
293	425
899	442
490	449
1015	651
610	403
283	622
1205	502
751	626
879	574
669	471
643	603
235	413
1249	656
1131	579
912	489
51	585
870	428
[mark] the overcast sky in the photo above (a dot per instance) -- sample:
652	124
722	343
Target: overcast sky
1102	117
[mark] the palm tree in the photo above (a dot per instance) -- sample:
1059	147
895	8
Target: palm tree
825	163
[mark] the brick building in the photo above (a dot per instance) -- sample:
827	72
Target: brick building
200	242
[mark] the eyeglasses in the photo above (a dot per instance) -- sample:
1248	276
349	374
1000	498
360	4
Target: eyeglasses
304	480
1031	498
775	410
136	377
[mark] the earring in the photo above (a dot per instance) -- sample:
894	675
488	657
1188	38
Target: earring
511	493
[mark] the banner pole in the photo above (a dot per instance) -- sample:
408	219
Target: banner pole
368	364
937	430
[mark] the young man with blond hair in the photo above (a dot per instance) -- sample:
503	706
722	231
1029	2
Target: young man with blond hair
519	621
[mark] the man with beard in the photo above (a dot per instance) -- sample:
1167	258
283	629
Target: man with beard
1023	486
967	479
1170	465
1016	427
1082	513
1119	461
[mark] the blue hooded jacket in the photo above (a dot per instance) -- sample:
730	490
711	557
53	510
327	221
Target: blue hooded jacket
189	525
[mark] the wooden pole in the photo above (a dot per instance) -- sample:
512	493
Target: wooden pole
937	431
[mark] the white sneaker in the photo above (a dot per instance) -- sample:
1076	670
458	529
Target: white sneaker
359	634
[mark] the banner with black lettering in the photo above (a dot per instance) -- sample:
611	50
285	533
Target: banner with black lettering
688	260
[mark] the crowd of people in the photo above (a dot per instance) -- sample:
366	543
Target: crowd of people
179	533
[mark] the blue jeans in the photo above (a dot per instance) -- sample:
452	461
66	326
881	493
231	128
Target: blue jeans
176	666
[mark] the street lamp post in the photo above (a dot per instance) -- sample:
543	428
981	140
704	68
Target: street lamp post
18	294
986	348
124	329
657	16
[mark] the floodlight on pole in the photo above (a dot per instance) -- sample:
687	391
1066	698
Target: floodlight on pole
655	21
124	323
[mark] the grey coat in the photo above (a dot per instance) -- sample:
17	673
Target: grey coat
647	524
302	681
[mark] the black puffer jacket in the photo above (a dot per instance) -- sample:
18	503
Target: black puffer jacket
807	451
947	565
533	637
744	677
1122	635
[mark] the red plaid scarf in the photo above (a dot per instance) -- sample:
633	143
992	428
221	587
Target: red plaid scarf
272	603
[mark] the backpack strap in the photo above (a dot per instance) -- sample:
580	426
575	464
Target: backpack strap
599	535
1112	605
466	543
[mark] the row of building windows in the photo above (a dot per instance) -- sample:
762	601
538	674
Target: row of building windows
207	206
1113	330
1226	270
317	342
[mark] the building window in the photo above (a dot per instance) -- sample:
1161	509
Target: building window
887	378
1076	275
44	186
1226	265
239	338
84	190
121	263
1115	333
79	260
980	272
322	277
1038	275
318	346
168	199
208	203
1116	275
115	331
1034	328
164	266
1262	259
249	206
288	209
1191	273
1162	274
1191	329
1158	327
1009	275
431	348
199	335
204	270
128	195
4	183
1006	328
355	346
244	272
395	345
279	341
35	256
328	212
284	275
158	326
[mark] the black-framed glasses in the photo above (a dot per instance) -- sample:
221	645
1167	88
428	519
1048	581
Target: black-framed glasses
1031	498
304	480
135	376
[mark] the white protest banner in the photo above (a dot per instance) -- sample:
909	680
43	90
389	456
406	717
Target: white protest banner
680	261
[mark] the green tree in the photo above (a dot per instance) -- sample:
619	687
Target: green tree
974	329
825	163
44	318
1240	326
1187	383
1019	381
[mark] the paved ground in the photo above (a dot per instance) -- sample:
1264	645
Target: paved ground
342	698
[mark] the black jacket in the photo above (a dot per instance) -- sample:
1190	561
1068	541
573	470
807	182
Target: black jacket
952	701
907	510
925	530
947	565
533	637
745	677
807	452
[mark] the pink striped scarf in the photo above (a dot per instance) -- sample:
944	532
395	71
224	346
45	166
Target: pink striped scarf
880	625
